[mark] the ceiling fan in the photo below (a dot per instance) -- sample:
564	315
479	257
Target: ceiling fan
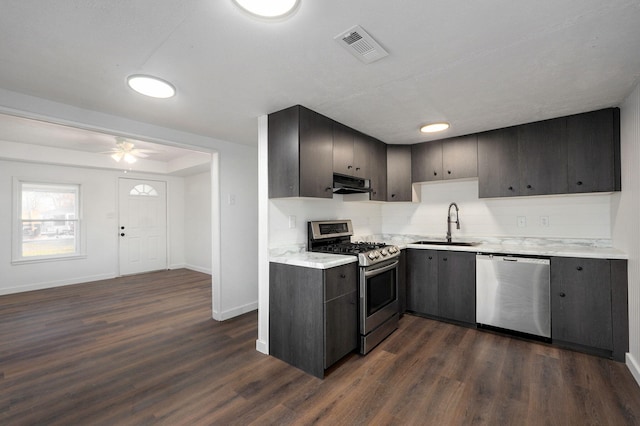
127	151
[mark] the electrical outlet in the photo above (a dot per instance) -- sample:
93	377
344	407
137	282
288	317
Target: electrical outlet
544	221
522	221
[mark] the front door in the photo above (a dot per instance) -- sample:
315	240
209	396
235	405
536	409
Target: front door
143	226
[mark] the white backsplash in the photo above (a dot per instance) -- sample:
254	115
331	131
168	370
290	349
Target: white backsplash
569	216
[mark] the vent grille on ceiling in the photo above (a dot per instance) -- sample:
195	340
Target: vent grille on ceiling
361	45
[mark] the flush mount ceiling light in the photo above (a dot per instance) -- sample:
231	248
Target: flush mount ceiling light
151	86
434	127
268	8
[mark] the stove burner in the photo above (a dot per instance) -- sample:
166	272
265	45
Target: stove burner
351	248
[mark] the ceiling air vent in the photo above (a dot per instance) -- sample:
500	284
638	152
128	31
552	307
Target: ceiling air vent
361	45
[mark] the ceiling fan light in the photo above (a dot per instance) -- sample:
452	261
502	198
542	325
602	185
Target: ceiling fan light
151	86
130	158
268	8
117	156
434	127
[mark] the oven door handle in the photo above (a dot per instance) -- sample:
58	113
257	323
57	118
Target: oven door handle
370	273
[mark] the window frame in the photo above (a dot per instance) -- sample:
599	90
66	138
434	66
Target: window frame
17	228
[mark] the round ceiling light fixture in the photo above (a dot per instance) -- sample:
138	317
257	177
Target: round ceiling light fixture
268	8
434	127
151	86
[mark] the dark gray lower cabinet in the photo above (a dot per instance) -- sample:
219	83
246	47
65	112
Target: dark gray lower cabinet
313	315
589	304
422	281
457	286
442	284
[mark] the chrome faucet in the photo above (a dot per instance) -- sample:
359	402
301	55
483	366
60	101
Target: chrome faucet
449	222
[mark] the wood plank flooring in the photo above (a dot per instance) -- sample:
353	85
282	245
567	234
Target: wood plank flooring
143	350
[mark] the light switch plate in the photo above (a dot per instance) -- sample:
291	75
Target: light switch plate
544	221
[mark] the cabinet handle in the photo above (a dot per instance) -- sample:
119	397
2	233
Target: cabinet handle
528	186
579	183
357	168
430	257
579	268
328	188
561	294
343	276
349	167
393	195
435	173
444	259
448	171
511	188
374	192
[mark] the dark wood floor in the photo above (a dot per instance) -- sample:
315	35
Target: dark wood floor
144	350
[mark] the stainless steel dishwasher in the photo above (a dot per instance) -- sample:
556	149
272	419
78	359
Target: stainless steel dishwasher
513	293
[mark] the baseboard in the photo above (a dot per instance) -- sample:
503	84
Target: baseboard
634	367
262	346
197	269
57	283
230	313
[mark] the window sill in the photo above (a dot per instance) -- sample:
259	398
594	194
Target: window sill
48	259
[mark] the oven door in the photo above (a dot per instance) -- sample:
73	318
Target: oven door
378	295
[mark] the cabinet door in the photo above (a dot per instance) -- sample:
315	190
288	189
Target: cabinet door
543	157
378	173
283	147
457	286
342	149
402	282
316	155
422	281
426	161
399	173
296	325
591	151
460	157
581	302
362	146
341	327
498	170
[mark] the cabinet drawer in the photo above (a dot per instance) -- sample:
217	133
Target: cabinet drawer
340	280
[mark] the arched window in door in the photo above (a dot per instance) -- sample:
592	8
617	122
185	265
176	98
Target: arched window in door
144	190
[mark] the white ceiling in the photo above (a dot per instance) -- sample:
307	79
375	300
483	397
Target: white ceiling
478	64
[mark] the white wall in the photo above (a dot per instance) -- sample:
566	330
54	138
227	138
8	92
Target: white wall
569	216
365	216
99	212
197	222
234	269
626	213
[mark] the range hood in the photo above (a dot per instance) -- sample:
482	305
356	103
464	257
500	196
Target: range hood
343	184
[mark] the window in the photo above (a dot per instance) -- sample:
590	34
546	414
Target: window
48	221
144	190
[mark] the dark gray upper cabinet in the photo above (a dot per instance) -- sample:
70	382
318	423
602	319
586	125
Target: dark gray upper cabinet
378	169
399	173
342	149
460	157
581	302
498	170
426	162
578	153
300	150
543	157
362	147
451	158
593	143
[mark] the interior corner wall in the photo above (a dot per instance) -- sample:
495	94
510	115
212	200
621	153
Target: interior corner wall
197	222
626	224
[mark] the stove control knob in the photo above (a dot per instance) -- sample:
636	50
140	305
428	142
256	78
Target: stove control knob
384	252
393	249
372	255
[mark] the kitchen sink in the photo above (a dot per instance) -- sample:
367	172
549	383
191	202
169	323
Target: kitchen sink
446	243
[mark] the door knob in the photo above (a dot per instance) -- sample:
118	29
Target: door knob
122	227
122	234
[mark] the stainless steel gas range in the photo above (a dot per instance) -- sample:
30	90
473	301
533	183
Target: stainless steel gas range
378	277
